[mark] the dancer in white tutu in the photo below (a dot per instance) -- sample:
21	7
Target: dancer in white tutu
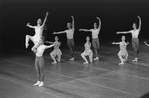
87	51
38	32
122	54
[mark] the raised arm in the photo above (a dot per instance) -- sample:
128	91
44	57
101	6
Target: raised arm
86	30
45	19
28	24
73	22
139	23
60	32
99	26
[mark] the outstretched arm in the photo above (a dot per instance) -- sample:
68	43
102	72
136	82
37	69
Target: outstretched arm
49	42
45	19
146	43
99	26
46	47
124	32
86	30
116	43
60	32
73	22
139	23
28	24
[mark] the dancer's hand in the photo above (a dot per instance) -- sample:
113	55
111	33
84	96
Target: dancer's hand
47	13
113	42
28	24
117	32
54	32
98	18
138	17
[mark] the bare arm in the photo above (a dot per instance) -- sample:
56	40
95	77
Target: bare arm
116	43
146	43
73	22
99	26
28	24
124	32
139	23
86	30
49	42
60	32
45	19
46	47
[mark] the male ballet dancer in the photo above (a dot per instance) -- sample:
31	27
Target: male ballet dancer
122	54
38	32
69	34
95	39
87	51
135	40
56	52
39	61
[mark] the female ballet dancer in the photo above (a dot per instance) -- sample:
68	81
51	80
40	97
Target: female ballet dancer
39	61
38	32
135	40
69	34
95	39
56	52
87	51
122	54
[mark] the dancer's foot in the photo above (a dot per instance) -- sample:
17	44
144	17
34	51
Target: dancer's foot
26	45
41	84
97	58
85	63
71	59
135	60
37	83
54	62
122	63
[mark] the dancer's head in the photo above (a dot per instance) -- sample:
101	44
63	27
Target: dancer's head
56	38
39	22
87	38
134	25
68	25
123	38
95	25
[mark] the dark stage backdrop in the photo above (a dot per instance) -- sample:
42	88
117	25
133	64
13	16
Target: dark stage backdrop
116	15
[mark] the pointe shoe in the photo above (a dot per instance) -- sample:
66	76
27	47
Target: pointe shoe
26	45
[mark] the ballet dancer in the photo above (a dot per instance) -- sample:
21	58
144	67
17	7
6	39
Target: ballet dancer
95	39
39	61
122	54
69	34
56	52
87	51
135	40
38	32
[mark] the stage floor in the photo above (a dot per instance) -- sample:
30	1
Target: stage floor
72	79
